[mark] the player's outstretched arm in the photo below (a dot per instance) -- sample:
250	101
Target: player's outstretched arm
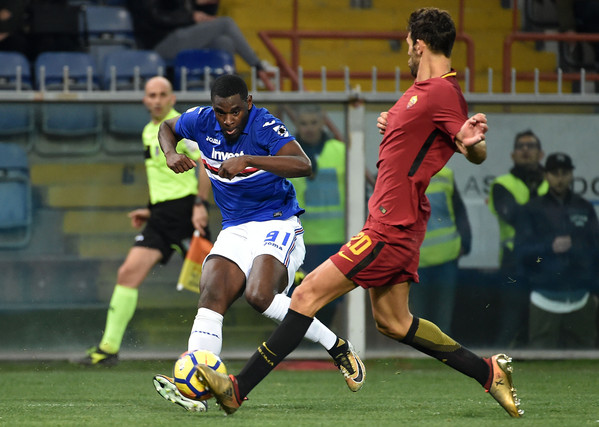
168	139
470	140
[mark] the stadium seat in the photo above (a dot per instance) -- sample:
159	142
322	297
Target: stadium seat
198	62
13	65
125	123
15	197
129	69
17	124
107	28
108	25
540	15
50	69
69	129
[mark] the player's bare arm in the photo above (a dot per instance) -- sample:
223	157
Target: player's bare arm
200	214
470	140
289	162
168	139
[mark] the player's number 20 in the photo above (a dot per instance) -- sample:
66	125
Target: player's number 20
359	243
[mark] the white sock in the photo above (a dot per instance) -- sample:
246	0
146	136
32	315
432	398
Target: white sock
206	332
317	332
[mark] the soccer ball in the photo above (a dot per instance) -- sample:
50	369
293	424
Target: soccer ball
185	370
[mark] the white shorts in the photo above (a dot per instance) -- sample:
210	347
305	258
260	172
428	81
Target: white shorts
283	239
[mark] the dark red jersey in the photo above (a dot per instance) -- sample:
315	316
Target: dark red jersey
418	142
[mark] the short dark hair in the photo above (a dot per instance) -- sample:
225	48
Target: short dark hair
434	27
524	133
228	85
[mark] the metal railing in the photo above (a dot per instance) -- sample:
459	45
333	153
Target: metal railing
510	75
291	69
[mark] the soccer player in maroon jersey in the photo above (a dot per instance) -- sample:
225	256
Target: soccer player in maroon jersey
426	126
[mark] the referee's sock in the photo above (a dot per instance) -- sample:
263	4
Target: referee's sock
426	337
284	339
122	307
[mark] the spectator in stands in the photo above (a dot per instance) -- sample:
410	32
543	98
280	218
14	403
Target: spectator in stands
54	26
322	194
177	206
447	238
557	244
507	195
12	27
169	26
581	16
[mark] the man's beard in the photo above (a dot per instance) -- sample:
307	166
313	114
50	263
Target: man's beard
413	64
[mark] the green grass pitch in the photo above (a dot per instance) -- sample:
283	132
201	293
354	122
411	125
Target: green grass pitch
397	392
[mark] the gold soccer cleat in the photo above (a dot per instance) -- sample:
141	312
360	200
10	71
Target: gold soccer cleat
502	388
222	387
352	368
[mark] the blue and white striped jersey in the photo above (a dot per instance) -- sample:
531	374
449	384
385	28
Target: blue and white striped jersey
254	194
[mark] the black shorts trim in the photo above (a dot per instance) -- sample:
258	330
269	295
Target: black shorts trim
367	260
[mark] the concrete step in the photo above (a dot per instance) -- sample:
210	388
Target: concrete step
90	196
44	174
94	222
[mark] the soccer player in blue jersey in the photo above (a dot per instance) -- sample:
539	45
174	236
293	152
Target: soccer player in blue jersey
248	154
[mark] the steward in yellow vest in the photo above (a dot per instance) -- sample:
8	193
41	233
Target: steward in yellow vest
447	237
511	191
507	197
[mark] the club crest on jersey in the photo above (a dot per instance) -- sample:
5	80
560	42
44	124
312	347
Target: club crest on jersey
281	130
413	100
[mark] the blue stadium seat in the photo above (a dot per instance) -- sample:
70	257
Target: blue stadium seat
107	28
131	69
9	63
50	71
17	124
125	123
109	25
195	61
15	197
69	129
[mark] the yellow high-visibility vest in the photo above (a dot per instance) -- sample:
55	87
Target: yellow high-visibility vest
521	194
442	241
323	197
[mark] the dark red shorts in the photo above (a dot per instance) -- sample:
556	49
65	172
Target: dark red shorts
381	255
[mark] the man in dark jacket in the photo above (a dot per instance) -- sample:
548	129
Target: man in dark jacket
508	194
557	243
169	26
